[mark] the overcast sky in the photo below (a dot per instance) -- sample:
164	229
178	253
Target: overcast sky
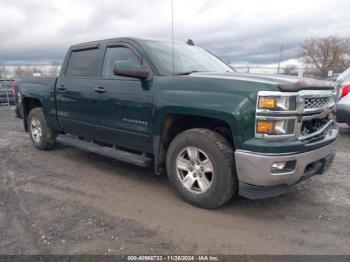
244	31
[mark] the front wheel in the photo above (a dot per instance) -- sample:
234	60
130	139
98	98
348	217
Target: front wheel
200	167
42	136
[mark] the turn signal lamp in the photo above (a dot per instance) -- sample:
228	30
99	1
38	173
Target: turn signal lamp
265	127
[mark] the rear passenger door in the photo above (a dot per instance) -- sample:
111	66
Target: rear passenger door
74	90
124	109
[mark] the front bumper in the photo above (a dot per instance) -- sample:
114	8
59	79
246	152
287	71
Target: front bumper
258	181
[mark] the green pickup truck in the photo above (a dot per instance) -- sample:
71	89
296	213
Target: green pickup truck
214	132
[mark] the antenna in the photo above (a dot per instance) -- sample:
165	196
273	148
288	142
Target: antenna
279	61
172	35
190	42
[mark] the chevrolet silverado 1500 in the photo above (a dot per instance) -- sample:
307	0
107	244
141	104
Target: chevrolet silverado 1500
216	133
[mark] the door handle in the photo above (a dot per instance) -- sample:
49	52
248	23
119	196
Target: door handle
100	90
61	88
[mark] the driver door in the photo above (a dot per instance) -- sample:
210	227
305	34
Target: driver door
123	110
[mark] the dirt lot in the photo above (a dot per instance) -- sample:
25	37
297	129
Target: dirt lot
67	201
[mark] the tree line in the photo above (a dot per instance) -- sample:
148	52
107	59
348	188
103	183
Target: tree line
19	71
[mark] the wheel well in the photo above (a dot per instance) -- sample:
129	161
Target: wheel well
173	124
28	104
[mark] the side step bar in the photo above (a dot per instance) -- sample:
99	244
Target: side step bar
118	154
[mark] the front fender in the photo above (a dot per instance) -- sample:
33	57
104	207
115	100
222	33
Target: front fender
232	101
237	112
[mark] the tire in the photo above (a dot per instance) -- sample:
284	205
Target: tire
214	153
41	135
348	124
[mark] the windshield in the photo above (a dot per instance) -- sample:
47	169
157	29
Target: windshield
187	58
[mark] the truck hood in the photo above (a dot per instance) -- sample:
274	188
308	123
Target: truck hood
283	82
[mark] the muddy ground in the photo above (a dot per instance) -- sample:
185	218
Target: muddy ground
68	201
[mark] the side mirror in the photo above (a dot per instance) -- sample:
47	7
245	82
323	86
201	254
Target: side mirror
130	69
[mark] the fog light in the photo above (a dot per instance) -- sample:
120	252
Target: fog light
278	166
283	167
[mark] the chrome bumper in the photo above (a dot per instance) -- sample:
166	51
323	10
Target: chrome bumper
255	169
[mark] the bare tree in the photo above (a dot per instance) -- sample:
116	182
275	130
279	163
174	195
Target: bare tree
4	72
1	71
21	71
290	70
324	54
54	69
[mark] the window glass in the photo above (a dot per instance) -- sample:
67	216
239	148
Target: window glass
118	54
82	63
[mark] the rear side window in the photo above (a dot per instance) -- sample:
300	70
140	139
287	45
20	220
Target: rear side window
118	54
82	63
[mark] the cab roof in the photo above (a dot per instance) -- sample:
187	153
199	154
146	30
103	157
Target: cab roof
138	40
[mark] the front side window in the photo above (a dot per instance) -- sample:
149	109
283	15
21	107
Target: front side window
118	54
82	63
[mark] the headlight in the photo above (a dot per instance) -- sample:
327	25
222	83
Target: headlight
273	115
275	127
277	103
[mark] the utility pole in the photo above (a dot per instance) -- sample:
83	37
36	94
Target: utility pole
279	61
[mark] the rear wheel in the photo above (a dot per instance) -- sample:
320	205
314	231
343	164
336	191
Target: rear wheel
42	136
200	167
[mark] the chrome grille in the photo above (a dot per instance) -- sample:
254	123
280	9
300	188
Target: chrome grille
313	125
317	127
316	102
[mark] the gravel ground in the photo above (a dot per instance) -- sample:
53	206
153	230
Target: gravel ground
67	201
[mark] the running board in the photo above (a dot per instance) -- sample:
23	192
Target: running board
136	159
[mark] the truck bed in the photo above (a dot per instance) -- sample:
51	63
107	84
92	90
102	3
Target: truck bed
39	80
41	89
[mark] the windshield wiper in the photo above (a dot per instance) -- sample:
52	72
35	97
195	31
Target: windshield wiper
187	72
